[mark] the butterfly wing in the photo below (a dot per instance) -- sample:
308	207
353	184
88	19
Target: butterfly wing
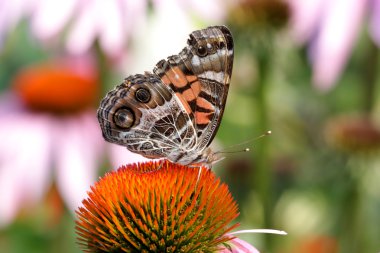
175	112
200	77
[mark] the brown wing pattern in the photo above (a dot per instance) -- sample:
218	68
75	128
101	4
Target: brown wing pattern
175	112
200	77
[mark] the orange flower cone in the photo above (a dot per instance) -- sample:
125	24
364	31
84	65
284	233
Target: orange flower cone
157	207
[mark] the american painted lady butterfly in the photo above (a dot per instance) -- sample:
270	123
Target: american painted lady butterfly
174	112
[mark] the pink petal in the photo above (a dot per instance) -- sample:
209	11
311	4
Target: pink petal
50	17
25	157
133	10
374	26
11	12
239	246
111	37
202	8
78	148
84	29
338	29
305	17
162	33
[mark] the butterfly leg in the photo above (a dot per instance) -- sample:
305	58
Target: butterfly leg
162	161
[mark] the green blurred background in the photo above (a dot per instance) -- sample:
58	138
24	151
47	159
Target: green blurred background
315	87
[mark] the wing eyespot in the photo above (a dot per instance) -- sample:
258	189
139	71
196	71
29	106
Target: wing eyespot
221	45
124	118
201	51
143	95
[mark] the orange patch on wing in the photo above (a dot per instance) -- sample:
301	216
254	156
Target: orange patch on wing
192	92
191	79
165	80
189	95
177	77
203	117
184	103
201	102
196	87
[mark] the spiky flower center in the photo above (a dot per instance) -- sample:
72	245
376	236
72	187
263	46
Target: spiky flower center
156	207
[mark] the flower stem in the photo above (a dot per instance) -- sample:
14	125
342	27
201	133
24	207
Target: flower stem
370	75
263	177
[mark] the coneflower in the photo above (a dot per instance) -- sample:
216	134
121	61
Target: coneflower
159	207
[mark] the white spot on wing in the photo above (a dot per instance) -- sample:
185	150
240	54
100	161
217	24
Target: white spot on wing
217	76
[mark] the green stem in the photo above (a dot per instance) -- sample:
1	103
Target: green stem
351	226
263	176
370	71
103	68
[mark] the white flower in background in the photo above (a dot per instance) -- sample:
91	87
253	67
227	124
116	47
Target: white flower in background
330	28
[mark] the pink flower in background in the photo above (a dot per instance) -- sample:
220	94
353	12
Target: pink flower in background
112	23
48	124
331	27
48	127
109	22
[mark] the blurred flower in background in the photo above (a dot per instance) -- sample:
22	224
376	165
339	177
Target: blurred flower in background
47	123
317	244
331	28
48	127
264	14
48	119
111	23
353	134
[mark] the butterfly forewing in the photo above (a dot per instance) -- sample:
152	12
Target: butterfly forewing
200	77
175	112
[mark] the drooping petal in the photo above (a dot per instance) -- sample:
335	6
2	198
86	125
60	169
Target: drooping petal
50	17
25	162
374	25
84	29
11	12
111	34
202	8
78	148
337	31
133	10
305	16
163	33
239	246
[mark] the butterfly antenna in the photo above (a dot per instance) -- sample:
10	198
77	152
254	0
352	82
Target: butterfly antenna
225	151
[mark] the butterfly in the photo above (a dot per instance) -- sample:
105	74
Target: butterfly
174	112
